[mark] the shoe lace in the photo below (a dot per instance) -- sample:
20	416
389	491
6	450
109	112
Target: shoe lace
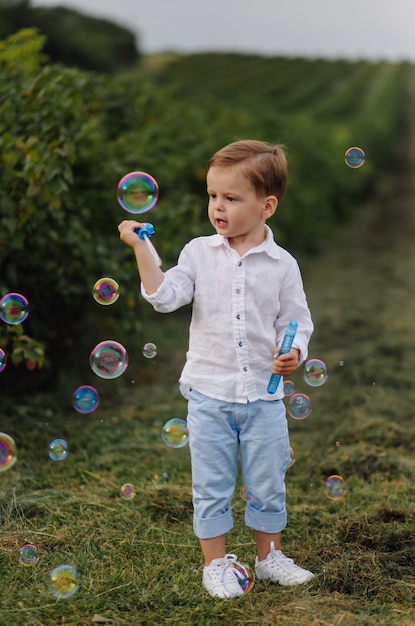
278	559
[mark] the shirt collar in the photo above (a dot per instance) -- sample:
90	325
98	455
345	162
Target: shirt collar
269	246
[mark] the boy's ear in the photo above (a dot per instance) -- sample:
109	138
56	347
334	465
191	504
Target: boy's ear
270	206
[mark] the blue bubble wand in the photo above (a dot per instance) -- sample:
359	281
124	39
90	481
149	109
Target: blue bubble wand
145	233
287	342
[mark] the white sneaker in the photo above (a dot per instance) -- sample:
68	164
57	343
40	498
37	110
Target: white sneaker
220	580
279	569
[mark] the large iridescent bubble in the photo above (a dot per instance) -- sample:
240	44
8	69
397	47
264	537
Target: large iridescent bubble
8	452
14	308
109	359
137	192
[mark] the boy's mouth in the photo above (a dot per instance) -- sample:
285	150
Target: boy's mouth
220	222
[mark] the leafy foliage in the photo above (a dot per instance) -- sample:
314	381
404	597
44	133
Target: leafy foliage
68	136
73	38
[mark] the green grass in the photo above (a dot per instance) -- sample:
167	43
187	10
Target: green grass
138	560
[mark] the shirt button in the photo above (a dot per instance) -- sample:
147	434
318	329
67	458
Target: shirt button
238	317
245	369
240	344
240	263
238	290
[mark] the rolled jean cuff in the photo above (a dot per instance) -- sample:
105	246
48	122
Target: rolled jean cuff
266	522
207	528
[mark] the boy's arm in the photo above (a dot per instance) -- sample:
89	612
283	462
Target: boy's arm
150	274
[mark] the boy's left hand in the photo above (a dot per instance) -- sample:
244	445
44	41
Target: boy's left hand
285	364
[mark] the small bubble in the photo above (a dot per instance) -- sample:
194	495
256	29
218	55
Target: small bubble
241	573
335	487
150	350
247	493
28	555
354	157
8	452
315	373
106	291
174	433
299	406
3	359
127	491
85	399
63	581
58	449
289	388
14	308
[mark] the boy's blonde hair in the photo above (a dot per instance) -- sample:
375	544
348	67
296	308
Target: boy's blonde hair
264	164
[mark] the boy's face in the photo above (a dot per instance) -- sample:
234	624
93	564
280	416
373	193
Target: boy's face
235	210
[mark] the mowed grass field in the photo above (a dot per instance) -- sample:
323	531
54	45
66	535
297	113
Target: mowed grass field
138	561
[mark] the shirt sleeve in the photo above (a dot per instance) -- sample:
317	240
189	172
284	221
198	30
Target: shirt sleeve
294	307
177	288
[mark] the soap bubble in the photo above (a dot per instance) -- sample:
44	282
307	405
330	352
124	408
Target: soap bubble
292	459
247	493
28	555
241	573
14	308
58	449
174	433
315	373
85	399
127	491
3	359
354	157
106	291
63	581
137	192
335	487
109	359
299	406
288	387
150	350
8	452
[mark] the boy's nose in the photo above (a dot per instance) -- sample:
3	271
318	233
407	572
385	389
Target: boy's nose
218	204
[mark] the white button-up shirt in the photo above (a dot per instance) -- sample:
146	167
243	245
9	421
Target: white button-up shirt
241	309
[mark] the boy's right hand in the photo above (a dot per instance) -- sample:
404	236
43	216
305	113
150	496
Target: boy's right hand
127	232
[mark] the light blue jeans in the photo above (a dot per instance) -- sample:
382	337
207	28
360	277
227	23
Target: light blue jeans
217	429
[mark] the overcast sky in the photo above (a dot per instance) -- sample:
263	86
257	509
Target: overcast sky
353	29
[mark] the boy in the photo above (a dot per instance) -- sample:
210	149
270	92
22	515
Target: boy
245	289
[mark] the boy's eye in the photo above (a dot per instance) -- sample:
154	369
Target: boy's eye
230	198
